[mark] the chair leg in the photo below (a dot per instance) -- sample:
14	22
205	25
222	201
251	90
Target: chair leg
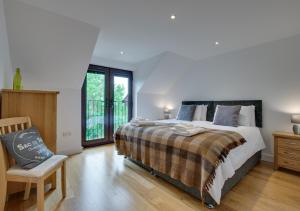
40	195
3	195
27	191
64	180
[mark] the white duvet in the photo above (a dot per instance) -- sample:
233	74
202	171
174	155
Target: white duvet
236	157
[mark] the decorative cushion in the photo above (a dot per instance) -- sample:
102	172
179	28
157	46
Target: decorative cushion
186	112
227	115
26	147
200	113
247	116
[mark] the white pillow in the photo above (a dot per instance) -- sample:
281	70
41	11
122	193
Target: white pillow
247	116
200	113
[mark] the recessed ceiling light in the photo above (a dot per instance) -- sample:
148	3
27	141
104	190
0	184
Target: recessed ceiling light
122	52
173	17
217	43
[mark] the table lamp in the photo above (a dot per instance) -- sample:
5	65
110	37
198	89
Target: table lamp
296	119
167	112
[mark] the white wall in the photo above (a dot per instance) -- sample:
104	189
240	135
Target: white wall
150	105
5	63
269	72
144	69
170	68
53	53
69	120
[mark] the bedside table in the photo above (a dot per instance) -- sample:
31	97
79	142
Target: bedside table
286	151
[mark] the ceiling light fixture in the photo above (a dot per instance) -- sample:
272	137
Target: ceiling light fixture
173	17
217	43
122	52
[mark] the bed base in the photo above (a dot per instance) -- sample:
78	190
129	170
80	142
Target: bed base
208	200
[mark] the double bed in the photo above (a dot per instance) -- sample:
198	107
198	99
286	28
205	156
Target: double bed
239	159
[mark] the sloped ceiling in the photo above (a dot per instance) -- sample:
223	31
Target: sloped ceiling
167	70
144	70
142	28
53	51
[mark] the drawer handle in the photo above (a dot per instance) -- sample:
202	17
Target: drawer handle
291	143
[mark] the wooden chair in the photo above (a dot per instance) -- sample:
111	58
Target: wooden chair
9	172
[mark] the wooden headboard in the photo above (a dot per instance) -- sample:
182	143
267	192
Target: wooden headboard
211	106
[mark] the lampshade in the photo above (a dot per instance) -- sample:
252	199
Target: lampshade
295	118
167	110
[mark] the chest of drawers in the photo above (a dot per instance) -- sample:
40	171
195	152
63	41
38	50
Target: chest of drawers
286	151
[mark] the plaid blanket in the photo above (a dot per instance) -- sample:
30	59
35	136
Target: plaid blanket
191	160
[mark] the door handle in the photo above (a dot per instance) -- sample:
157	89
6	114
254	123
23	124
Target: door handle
107	103
112	103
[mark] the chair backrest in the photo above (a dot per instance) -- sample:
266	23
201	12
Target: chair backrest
7	126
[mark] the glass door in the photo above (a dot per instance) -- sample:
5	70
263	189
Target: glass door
95	129
121	99
106	104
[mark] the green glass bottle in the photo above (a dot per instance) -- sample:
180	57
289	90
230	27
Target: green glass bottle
17	83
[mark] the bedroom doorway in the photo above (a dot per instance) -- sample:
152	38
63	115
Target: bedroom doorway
106	104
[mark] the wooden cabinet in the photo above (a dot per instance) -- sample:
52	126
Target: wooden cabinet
286	151
41	107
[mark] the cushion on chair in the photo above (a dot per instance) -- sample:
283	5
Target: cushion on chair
26	147
40	170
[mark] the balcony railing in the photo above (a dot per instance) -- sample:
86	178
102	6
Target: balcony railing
120	113
95	117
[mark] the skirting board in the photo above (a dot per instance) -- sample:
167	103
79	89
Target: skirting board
267	157
70	152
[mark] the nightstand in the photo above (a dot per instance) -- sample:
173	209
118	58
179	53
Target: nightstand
286	151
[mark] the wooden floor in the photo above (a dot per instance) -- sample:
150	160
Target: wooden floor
99	179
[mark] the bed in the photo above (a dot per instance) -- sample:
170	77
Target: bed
236	164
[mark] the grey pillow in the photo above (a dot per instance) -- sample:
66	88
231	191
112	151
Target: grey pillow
227	115
186	112
26	147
